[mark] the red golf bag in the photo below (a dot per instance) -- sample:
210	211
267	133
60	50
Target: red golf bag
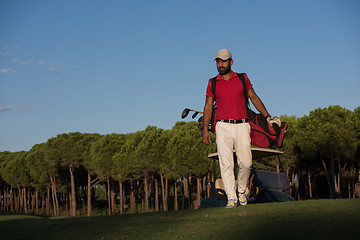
262	134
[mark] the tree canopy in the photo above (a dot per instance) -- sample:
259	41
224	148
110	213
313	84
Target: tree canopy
322	147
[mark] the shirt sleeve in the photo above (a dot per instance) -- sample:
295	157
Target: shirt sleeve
248	83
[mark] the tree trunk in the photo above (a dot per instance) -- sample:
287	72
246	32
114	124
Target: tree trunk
176	208
56	199
54	194
48	201
67	203
327	178
73	195
164	192
287	172
151	196
18	200
156	195
53	188
142	204
10	200
84	202
332	172
203	184
186	187
349	188
146	192
43	200
292	184
198	193
89	206
91	184
9	194
113	202
37	201
32	201
24	200
132	196
208	186
343	178
121	196
309	182
4	197
297	183
337	184
108	195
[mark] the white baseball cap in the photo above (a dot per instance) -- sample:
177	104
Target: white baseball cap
223	54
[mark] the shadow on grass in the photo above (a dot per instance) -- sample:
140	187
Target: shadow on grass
322	219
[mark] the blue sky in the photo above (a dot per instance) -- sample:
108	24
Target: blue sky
119	66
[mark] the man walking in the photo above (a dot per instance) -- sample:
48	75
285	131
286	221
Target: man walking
232	128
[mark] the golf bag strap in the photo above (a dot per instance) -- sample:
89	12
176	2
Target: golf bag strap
243	81
213	86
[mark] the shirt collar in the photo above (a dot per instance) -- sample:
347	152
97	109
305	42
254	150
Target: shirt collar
232	76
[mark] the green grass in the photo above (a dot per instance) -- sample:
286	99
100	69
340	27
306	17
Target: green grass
317	219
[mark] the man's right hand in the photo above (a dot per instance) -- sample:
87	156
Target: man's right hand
206	137
206	120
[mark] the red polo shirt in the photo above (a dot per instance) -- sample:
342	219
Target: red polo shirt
230	98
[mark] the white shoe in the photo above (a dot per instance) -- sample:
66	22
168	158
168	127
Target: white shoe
242	199
232	203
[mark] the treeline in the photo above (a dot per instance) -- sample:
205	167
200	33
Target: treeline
61	174
158	170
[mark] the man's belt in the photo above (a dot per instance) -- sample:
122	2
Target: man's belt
233	121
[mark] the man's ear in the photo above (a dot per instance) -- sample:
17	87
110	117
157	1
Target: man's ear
231	62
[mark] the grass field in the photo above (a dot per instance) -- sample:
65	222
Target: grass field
315	219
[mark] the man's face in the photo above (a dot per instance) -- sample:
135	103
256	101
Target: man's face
223	67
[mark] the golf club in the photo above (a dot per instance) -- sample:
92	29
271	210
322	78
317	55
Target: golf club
186	112
194	115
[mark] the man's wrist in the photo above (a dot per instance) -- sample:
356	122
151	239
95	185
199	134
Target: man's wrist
205	130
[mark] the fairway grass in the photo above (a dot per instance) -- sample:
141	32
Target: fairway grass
312	219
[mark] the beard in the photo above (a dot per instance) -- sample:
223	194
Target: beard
224	70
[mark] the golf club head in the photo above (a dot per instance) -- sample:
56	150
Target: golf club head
200	119
194	115
185	113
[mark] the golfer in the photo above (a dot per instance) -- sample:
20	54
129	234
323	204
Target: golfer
232	127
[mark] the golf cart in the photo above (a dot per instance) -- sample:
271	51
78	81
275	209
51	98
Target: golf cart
273	186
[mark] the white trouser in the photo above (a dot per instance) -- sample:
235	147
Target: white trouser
229	136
